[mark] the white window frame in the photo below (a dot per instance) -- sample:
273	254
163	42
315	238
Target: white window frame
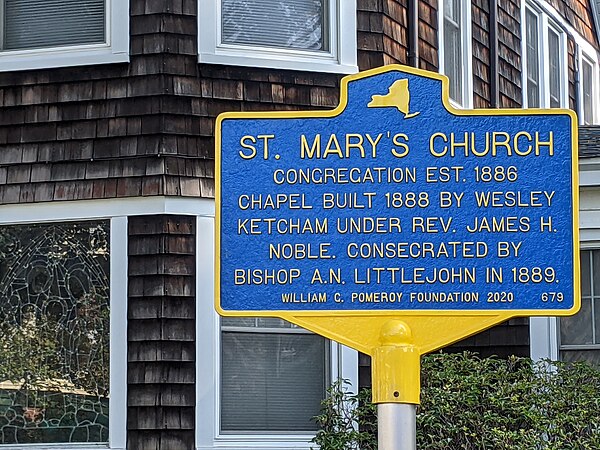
341	58
540	61
60	213
344	364
466	100
563	99
594	246
544	332
114	50
586	50
545	24
584	58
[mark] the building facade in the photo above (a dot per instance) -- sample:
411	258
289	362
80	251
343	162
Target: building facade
108	333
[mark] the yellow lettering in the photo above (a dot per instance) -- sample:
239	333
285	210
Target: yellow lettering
312	151
402	145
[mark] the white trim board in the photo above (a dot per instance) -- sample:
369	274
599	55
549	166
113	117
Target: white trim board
94	209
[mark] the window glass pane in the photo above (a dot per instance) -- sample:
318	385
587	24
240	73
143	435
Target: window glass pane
271	382
256	322
577	329
453	63
238	321
554	65
597	320
52	23
452	11
588	104
297	24
586	280
591	356
532	58
595	272
54	333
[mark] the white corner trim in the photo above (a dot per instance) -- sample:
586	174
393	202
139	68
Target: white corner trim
117	429
543	338
206	320
115	50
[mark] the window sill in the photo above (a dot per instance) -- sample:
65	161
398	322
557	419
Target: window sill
64	446
264	443
63	57
279	61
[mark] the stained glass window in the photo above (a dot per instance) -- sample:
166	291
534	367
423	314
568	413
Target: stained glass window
54	333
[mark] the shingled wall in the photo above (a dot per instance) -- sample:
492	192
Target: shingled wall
109	131
480	29
382	33
578	14
161	333
145	128
509	53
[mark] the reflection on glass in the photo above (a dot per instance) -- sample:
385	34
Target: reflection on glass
273	376
587	82
591	356
295	24
532	58
554	64
586	272
577	329
30	24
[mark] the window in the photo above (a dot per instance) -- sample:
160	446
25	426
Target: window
315	35
54	333
455	58
544	71
580	334
53	33
532	56
260	359
587	92
261	379
554	67
296	24
52	23
63	286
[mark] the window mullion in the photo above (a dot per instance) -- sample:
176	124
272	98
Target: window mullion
2	25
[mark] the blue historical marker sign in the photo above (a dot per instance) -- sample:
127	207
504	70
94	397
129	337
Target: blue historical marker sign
395	202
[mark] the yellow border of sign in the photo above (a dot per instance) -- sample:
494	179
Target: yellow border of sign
307	318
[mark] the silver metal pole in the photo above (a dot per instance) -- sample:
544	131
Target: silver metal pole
396	426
